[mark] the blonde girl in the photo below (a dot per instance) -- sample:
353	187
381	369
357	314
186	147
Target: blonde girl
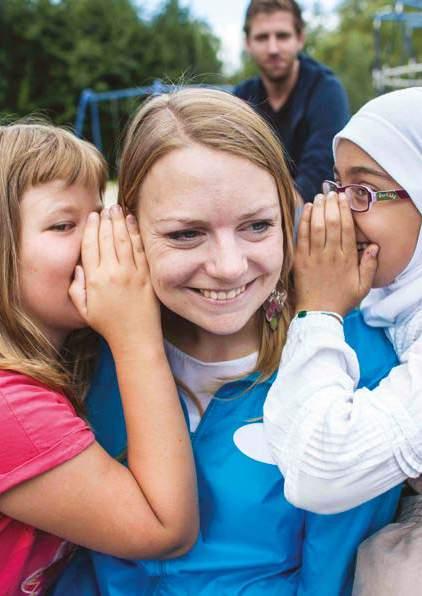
57	485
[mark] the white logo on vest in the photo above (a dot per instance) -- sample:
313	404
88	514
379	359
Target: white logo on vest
251	441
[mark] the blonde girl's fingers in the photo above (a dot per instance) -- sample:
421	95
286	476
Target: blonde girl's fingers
348	234
303	231
136	240
317	227
108	254
122	242
77	292
333	222
90	250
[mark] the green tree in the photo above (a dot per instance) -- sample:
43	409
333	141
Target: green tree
55	49
182	47
23	41
52	49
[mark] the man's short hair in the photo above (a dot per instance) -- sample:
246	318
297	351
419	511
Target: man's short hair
269	6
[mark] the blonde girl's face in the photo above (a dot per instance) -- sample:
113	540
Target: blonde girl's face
211	227
53	218
393	225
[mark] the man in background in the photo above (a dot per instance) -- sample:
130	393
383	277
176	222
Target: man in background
301	98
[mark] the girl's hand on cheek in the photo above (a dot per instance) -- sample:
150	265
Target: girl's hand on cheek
327	273
112	290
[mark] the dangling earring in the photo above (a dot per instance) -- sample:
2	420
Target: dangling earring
273	307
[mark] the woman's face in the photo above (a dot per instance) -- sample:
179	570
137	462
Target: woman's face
211	227
392	225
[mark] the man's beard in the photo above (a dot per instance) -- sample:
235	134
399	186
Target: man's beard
278	78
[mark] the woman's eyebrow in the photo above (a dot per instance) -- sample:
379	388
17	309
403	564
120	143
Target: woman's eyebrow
182	220
257	212
198	222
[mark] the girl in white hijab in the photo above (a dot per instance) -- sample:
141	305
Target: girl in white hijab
336	445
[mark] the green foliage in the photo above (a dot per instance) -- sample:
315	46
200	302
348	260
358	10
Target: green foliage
52	49
182	46
349	48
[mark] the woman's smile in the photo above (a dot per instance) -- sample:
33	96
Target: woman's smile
223	297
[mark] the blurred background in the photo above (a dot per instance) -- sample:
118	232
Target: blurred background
51	50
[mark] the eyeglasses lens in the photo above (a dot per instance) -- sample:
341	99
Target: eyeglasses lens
358	197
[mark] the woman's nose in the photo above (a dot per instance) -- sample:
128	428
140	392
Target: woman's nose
228	262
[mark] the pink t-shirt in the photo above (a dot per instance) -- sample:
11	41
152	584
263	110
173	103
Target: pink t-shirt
39	430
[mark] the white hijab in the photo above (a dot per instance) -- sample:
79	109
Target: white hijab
389	129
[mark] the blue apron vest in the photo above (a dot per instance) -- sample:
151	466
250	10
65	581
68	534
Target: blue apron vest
252	541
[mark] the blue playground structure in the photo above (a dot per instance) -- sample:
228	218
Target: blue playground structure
89	101
406	18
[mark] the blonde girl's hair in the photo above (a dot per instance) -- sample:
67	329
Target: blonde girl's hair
31	154
219	121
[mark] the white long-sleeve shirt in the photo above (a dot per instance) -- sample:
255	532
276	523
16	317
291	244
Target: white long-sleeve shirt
338	446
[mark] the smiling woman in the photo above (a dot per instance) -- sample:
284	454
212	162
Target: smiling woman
218	253
214	199
207	180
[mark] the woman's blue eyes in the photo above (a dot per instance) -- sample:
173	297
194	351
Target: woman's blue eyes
184	235
260	226
257	227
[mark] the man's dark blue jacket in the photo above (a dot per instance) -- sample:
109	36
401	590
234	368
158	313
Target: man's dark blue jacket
315	111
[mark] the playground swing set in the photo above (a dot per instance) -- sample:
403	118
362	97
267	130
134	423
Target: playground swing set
88	107
405	18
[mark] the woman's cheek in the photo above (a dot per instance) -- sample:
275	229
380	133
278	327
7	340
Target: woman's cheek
275	260
271	255
169	270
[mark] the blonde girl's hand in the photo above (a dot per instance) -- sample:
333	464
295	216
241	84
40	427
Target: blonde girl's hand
92	500
112	290
328	275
